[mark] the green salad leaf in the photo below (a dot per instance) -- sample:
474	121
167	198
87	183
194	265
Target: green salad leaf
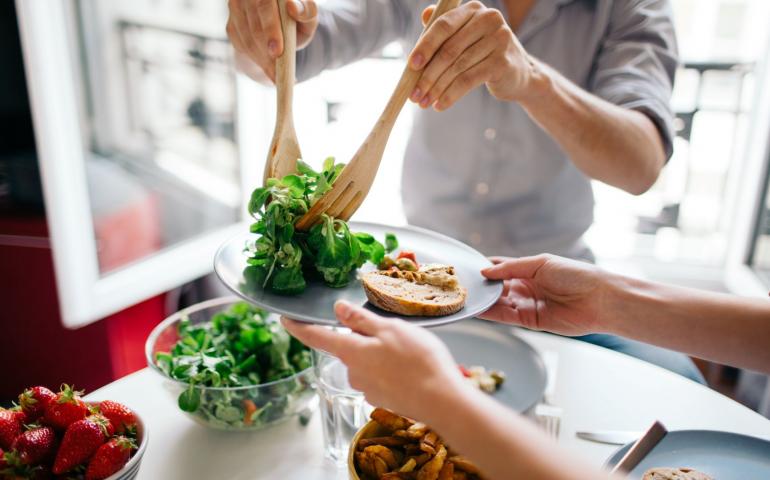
282	258
391	242
238	347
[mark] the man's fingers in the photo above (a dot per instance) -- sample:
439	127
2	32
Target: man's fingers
427	13
302	11
440	30
449	54
471	57
358	319
243	38
462	84
524	267
265	13
321	338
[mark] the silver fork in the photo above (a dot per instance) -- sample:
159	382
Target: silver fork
547	415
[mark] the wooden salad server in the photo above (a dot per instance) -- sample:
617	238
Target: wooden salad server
356	179
284	148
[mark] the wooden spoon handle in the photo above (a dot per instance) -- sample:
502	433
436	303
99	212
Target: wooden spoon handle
410	77
285	66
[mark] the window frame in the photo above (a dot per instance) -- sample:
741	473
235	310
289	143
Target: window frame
53	75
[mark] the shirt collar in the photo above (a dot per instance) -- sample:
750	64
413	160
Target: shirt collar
542	13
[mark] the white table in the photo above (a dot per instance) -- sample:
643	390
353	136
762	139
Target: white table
598	389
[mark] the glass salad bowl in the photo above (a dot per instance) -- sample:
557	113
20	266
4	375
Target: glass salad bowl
231	366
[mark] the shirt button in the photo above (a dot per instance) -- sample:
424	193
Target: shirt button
482	188
475	239
490	133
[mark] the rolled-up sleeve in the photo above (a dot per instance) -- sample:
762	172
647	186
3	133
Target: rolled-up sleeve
637	61
349	30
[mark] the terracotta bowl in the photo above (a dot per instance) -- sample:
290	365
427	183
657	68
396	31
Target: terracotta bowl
370	430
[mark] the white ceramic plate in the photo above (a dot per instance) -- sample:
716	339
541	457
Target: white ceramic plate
494	347
721	455
316	303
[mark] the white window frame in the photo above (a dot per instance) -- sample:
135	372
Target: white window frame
740	278
52	71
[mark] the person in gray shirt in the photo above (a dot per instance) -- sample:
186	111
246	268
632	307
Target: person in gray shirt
522	103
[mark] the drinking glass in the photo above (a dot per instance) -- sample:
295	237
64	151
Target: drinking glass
343	409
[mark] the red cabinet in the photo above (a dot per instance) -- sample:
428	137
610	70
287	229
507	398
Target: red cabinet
34	346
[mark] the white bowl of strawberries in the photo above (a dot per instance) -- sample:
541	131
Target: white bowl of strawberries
60	435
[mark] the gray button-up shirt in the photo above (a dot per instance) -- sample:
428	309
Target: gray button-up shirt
483	171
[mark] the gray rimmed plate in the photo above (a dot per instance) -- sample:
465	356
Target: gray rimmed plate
316	303
721	455
493	346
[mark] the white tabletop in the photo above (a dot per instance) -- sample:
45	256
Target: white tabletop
598	389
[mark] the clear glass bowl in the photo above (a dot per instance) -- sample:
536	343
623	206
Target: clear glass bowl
228	408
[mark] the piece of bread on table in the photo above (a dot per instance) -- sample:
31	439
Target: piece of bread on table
433	291
674	474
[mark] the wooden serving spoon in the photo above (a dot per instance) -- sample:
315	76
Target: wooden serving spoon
356	179
284	148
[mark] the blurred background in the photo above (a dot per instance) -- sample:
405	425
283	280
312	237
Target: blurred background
146	143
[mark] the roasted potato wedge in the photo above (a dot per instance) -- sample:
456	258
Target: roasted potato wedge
390	420
383	453
432	467
399	476
408	466
447	471
428	443
385	441
412	451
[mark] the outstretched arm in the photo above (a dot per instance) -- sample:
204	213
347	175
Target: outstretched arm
388	357
573	298
617	130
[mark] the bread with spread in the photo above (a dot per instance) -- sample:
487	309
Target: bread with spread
432	290
661	473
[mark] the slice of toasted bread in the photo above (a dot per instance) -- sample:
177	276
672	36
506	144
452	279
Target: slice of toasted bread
674	474
403	294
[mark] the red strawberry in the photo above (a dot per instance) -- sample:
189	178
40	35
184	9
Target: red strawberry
109	458
3	461
36	446
80	441
65	408
119	415
34	401
11	426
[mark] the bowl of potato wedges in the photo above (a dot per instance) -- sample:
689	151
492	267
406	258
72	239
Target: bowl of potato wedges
392	447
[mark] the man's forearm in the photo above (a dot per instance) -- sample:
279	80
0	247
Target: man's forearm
724	328
617	146
501	442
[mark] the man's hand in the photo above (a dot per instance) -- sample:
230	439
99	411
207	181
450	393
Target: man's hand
397	365
550	293
464	48
254	28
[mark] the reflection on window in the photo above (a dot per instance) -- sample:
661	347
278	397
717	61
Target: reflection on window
160	95
760	257
686	216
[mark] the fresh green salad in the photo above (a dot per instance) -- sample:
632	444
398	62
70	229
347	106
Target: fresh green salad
238	347
282	258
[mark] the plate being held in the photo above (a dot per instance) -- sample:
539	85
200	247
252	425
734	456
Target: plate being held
316	303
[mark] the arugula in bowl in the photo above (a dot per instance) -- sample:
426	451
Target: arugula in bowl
235	367
281	258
